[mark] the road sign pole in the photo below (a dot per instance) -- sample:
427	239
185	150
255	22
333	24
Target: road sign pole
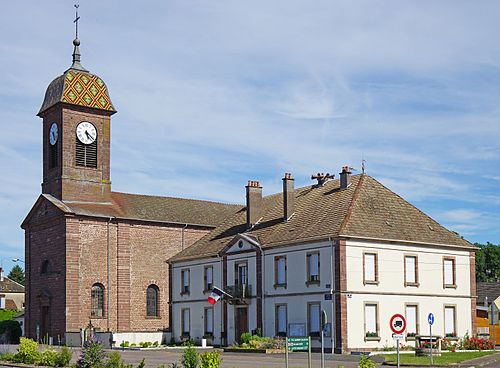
309	353
322	349
286	352
430	339
397	349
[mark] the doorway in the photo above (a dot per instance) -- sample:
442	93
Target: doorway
241	322
45	322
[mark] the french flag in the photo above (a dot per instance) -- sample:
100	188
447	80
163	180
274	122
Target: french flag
215	295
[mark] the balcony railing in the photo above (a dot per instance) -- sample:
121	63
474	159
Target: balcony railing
239	293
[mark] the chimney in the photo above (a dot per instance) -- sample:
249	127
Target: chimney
254	202
288	196
1	274
345	177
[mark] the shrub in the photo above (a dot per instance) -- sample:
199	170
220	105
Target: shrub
125	344
8	357
190	358
210	359
27	352
245	338
63	357
92	355
474	343
365	362
141	364
48	358
115	361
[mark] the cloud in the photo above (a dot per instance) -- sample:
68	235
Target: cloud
211	94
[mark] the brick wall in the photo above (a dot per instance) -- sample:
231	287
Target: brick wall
45	238
77	248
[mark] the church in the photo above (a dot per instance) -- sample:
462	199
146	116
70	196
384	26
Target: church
93	254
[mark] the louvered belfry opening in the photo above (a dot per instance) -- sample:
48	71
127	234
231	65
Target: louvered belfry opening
53	155
86	154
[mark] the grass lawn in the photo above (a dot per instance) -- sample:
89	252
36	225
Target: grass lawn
444	359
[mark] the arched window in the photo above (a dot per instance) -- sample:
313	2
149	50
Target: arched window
46	268
97	301
152	302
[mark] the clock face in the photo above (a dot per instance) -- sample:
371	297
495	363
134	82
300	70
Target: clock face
86	132
53	134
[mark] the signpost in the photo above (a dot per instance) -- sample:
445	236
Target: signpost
430	319
324	320
298	344
398	326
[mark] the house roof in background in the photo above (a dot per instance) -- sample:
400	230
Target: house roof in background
10	286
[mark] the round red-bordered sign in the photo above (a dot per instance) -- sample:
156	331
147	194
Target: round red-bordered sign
398	323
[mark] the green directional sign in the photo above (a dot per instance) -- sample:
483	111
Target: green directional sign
298	343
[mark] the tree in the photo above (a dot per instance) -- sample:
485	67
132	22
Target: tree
17	274
488	262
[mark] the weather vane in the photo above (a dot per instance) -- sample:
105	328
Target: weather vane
76	20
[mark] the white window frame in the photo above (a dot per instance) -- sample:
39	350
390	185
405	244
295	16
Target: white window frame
208	286
408	271
417	326
310	322
377	324
206	329
185	282
446	283
277	308
185	333
373	280
313	278
280	281
446	328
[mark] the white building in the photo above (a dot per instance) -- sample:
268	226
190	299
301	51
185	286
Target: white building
284	255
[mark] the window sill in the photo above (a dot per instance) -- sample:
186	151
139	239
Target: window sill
96	317
446	286
153	317
368	282
372	338
280	286
412	284
184	292
410	338
313	282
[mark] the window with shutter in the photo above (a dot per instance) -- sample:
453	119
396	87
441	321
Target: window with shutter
449	322
209	278
209	321
411	320
280	271
314	319
281	319
449	272
411	271
185	322
370	268
185	282
371	325
313	268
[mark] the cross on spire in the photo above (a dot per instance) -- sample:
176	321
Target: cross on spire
76	42
76	20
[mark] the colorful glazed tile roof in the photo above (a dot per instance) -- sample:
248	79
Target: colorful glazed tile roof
78	88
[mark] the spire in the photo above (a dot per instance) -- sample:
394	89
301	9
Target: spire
76	42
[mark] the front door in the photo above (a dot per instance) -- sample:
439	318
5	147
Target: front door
241	321
45	322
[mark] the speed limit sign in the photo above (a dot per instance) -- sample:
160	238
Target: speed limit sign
398	324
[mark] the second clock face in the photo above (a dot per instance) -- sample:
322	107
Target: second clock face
53	134
86	132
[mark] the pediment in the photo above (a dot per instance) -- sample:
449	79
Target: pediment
241	243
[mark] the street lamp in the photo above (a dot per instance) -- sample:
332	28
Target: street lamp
17	260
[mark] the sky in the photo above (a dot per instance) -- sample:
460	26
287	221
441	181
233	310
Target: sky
211	94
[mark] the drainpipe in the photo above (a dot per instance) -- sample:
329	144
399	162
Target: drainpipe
332	291
182	236
108	296
221	304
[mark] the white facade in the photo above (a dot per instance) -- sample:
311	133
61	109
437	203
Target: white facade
375	289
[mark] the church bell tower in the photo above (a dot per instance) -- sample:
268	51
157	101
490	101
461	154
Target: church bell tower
76	114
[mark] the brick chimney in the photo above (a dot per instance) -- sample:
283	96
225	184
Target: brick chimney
345	177
254	202
288	196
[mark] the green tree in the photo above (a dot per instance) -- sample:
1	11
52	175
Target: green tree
17	274
488	262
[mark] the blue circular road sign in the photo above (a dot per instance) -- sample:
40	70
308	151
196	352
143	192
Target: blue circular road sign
430	319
